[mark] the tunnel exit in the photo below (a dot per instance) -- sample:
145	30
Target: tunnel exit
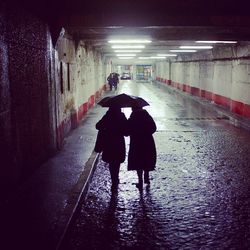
143	72
137	72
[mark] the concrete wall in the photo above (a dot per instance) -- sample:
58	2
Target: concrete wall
7	162
220	75
25	118
80	78
45	91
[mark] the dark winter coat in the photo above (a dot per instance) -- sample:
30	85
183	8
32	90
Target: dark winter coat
142	151
115	78
110	79
113	127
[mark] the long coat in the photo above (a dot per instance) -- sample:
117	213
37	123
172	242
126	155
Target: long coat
142	151
110	79
113	127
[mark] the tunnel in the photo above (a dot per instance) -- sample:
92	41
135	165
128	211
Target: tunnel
55	59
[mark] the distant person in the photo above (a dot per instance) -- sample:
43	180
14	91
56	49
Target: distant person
115	80
142	150
110	80
113	127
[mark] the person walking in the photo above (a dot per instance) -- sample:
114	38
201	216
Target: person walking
110	80
142	150
113	127
115	80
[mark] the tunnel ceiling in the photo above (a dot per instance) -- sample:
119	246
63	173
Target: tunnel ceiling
168	23
163	38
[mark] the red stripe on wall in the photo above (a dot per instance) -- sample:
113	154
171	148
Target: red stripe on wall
237	107
246	110
74	118
234	106
221	100
74	121
91	101
182	87
206	94
195	91
98	94
188	88
82	111
179	85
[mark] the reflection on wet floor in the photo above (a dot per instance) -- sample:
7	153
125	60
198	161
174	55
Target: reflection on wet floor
199	194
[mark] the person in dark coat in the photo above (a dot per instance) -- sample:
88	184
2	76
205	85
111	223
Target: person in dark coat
110	80
142	150
115	80
113	126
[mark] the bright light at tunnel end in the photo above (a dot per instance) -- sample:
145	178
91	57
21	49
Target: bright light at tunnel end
157	57
166	54
128	46
127	51
125	58
183	50
129	41
120	55
216	41
196	47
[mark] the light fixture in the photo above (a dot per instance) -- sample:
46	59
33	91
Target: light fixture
157	57
126	57
128	46
127	51
119	55
129	41
144	57
182	50
166	55
196	47
216	42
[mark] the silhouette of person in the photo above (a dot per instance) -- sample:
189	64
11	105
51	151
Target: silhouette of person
115	80
113	126
110	80
142	150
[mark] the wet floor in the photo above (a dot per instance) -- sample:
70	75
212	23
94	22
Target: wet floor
199	196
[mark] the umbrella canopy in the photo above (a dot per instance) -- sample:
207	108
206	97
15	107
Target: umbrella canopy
123	101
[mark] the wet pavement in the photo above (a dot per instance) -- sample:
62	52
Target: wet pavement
199	196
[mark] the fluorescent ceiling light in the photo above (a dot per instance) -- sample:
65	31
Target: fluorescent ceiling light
119	55
166	55
196	47
157	57
129	57
127	51
130	41
128	46
144	57
182	50
216	42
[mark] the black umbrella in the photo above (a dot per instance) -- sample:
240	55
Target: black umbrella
123	101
